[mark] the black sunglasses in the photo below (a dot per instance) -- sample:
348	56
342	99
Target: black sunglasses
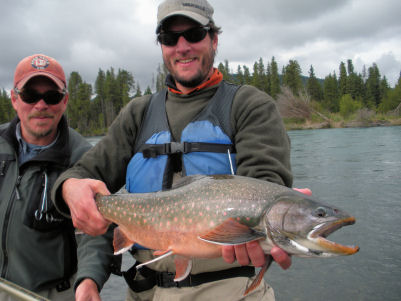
31	96
192	35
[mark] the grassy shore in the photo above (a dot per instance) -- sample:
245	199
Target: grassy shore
337	121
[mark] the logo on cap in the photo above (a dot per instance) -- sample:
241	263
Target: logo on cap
40	62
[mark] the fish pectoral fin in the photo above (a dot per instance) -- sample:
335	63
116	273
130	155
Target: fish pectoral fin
163	254
121	242
231	232
183	266
255	283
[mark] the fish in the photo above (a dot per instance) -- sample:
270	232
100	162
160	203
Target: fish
202	213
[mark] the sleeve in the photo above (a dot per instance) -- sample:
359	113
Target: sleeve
262	144
95	258
108	159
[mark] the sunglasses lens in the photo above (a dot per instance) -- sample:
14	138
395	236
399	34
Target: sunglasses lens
53	97
168	38
50	97
195	35
192	35
29	96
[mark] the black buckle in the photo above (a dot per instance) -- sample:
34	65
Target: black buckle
62	286
166	279
176	147
150	152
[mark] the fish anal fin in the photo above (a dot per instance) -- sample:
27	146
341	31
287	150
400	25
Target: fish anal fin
121	242
231	232
183	266
161	252
255	283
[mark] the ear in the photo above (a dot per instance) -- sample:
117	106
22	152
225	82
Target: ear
215	41
14	98
66	98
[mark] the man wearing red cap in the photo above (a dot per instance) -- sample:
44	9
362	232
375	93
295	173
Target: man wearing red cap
39	250
199	125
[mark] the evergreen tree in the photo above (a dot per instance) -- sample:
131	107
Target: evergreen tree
161	76
275	88
6	109
313	86
292	77
247	76
99	105
373	93
240	80
331	93
342	80
111	96
126	85
392	99
257	80
148	91
79	102
138	91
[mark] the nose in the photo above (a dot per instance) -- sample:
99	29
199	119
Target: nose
182	44
41	105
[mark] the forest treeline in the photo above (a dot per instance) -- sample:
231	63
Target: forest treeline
92	108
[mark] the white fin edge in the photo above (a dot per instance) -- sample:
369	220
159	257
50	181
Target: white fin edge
154	260
187	271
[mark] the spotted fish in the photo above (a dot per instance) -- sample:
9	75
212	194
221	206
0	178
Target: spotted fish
203	213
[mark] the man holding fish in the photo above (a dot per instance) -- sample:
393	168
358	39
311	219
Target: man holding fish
199	125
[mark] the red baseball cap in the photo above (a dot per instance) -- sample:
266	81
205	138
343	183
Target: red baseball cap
39	65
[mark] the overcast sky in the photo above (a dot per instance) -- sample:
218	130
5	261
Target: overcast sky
85	35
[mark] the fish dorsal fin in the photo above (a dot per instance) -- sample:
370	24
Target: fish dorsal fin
121	242
183	266
184	181
231	232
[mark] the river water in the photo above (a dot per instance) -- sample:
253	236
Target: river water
358	170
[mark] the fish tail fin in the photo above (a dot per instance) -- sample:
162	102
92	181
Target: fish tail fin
255	283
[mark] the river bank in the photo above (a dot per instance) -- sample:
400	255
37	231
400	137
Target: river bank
290	124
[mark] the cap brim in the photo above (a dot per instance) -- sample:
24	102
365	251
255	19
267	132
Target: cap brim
55	79
191	15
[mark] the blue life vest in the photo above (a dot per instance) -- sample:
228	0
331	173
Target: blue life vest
205	146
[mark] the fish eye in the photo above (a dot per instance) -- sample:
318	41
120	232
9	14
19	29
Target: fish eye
320	212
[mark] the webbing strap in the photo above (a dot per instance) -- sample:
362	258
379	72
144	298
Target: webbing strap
166	279
154	150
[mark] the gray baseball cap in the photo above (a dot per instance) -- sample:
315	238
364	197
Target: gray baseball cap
198	10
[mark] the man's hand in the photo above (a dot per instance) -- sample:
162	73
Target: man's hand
87	291
79	195
253	252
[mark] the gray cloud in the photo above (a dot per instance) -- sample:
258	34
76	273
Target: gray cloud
87	35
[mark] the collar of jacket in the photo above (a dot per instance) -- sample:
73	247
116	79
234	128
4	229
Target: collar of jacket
214	79
58	154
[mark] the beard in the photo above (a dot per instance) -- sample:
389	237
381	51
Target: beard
200	76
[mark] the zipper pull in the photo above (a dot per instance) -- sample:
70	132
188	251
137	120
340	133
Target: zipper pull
16	187
2	167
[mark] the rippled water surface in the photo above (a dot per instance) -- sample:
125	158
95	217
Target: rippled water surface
358	170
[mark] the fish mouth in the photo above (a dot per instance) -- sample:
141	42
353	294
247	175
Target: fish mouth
320	232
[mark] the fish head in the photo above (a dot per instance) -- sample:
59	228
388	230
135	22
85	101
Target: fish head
300	225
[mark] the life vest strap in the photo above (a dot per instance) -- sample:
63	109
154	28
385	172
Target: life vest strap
154	150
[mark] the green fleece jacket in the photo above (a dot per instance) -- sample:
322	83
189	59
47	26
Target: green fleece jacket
261	142
39	249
